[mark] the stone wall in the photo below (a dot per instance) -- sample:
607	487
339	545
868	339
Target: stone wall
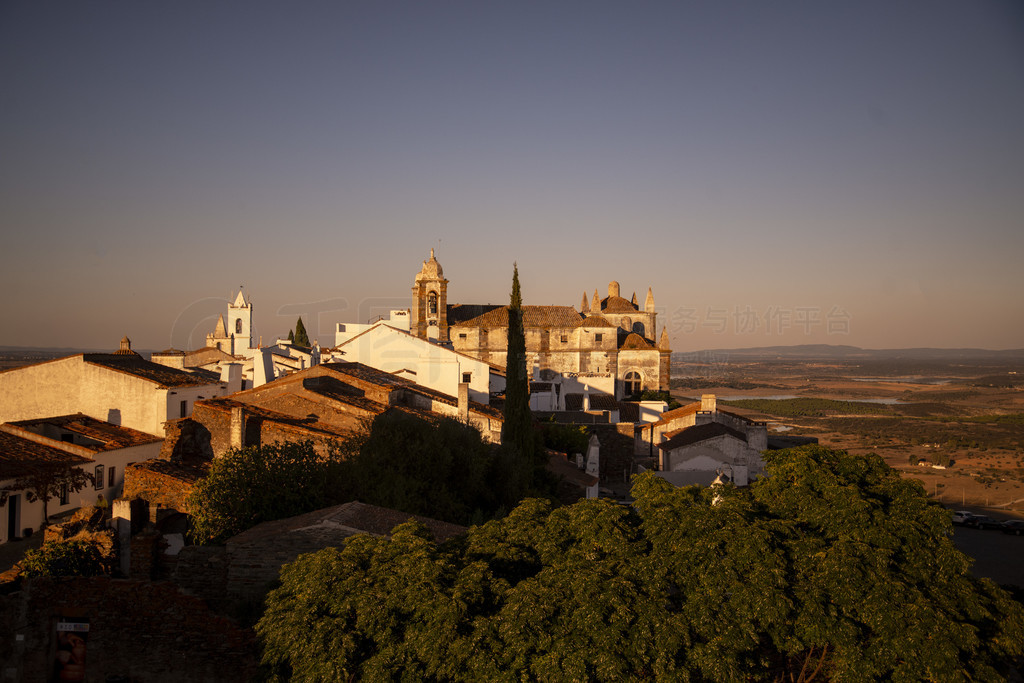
148	632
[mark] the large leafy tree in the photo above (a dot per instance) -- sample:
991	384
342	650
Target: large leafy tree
248	486
831	568
439	468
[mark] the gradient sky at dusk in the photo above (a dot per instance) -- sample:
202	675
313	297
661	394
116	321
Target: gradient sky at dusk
779	172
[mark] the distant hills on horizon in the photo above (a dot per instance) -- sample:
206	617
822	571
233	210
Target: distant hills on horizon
845	352
783	352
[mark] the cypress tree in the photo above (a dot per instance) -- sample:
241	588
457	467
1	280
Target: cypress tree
517	433
291	335
301	338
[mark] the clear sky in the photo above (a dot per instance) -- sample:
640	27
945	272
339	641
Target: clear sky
779	172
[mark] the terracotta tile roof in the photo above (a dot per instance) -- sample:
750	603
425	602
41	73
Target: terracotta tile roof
698	433
616	304
682	411
342	521
634	342
136	366
558	464
20	457
169	352
460	313
367	374
533	317
111	436
596	320
188	473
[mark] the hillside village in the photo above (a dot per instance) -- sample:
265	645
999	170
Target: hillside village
145	431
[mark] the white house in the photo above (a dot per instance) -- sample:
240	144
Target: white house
398	319
121	388
436	367
31	447
697	442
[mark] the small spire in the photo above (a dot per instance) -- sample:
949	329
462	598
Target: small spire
596	305
649	303
584	306
633	300
663	344
431	253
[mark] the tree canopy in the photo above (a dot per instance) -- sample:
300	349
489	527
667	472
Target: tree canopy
248	486
830	568
63	558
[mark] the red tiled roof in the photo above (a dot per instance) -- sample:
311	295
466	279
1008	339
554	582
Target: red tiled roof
596	320
112	436
634	342
349	519
533	317
698	433
616	304
682	411
21	457
136	366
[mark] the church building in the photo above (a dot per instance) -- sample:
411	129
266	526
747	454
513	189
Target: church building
235	336
609	338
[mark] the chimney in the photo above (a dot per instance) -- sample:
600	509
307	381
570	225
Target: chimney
613	288
231	374
464	401
238	427
586	398
708	403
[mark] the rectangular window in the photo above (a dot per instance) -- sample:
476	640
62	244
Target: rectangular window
67	438
184	409
598	337
110	476
65	491
565	338
467	376
97	481
462	335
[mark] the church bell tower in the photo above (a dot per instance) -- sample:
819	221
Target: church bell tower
430	302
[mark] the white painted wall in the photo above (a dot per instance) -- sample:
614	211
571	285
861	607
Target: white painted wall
427	364
70	385
30	515
397	318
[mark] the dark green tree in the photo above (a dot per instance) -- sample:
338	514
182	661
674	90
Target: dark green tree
291	335
63	558
301	338
521	456
830	568
439	468
248	486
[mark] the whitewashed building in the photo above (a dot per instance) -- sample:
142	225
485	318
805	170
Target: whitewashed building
121	388
31	447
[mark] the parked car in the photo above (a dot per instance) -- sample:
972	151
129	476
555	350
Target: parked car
1013	526
961	516
983	522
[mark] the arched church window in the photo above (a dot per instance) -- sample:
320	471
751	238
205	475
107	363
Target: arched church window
432	303
627	324
638	327
238	326
633	382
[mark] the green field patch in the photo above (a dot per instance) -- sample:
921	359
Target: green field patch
809	407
